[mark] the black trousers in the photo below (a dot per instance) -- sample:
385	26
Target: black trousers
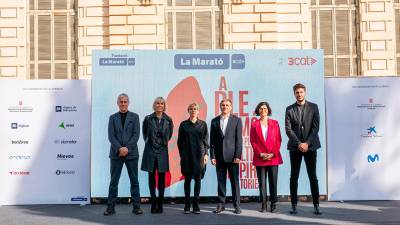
197	186
153	182
115	170
272	173
233	171
310	158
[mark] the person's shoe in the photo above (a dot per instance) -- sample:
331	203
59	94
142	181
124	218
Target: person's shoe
294	210
263	207
316	210
153	208
137	210
237	210
186	210
220	207
109	211
160	202
196	208
273	208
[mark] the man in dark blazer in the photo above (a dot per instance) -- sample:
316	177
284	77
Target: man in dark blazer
226	152
123	134
302	126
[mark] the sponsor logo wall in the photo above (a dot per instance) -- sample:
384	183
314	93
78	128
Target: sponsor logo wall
45	142
205	77
363	138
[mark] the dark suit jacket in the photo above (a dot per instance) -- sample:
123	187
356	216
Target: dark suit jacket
226	148
124	137
310	123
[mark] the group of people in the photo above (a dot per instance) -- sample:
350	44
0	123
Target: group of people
225	145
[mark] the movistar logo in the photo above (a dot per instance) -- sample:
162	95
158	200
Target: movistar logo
372	158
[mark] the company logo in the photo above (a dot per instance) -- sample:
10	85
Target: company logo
372	158
60	108
371	105
65	172
66	125
371	132
301	61
16	125
79	199
65	142
19	142
117	60
20	157
19	173
64	156
20	108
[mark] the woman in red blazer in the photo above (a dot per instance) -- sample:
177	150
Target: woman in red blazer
265	138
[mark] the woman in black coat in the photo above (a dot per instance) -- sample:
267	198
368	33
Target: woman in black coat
193	146
157	131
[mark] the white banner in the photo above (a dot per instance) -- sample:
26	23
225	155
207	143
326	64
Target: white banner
45	141
363	117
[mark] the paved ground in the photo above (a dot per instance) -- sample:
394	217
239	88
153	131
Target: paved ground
363	212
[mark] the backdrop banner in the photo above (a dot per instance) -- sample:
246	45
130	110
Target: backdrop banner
205	77
363	138
45	141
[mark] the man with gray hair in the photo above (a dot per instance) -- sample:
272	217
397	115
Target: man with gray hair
123	134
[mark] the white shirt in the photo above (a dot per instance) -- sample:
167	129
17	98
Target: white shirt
224	122
264	130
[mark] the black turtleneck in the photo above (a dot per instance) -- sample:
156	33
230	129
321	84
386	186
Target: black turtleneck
123	118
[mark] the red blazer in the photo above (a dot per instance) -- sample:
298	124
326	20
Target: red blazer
271	145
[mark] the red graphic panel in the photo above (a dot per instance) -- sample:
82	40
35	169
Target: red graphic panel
183	94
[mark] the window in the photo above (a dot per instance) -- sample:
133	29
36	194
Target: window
51	27
193	24
336	31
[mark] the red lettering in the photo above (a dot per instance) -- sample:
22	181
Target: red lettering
242	103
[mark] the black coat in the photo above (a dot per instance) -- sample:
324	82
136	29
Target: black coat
156	137
224	148
309	125
193	146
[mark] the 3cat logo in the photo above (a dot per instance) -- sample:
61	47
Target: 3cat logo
301	61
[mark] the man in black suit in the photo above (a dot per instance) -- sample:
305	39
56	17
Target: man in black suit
123	134
226	152
302	126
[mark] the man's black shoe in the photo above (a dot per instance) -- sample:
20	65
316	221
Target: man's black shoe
294	210
137	210
237	210
316	210
220	208
273	208
109	211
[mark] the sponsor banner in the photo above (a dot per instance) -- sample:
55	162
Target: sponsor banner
205	77
45	141
362	138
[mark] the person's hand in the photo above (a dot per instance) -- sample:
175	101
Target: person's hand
303	147
263	156
269	156
213	162
236	160
205	159
123	151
